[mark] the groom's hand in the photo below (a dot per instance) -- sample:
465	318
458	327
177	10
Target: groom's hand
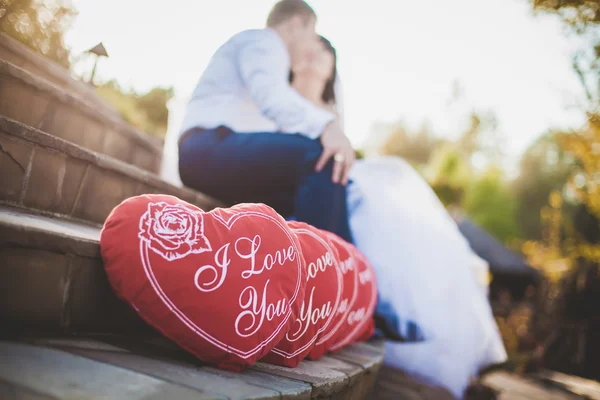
336	145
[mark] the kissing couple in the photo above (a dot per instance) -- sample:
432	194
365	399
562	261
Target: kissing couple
265	125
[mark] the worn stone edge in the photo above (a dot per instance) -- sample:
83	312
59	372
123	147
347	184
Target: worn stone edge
49	240
37	137
72	99
55	70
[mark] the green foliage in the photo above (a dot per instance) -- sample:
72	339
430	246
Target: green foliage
491	205
449	173
544	168
39	24
446	165
415	147
147	112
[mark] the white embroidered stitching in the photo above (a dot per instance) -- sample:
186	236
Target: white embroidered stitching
189	323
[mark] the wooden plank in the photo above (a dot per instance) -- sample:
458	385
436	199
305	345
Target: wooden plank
9	390
203	381
375	345
512	386
354	372
167	363
332	377
574	384
365	356
324	381
78	343
289	388
392	384
368	358
67	376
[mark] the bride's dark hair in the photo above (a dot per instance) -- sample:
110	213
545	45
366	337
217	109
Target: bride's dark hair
328	95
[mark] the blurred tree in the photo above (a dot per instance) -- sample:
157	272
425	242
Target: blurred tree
544	167
570	253
415	147
449	174
39	24
569	256
419	146
450	168
147	112
577	13
585	146
584	17
154	105
486	197
490	204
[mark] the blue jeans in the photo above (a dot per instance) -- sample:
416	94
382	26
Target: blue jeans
276	169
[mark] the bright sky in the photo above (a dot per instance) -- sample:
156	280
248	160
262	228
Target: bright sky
398	59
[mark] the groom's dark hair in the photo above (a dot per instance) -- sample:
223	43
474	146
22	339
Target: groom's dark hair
286	9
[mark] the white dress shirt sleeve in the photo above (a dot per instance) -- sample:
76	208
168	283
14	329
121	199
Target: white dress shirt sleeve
264	69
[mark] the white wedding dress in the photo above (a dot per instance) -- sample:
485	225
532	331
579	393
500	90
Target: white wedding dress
425	270
426	273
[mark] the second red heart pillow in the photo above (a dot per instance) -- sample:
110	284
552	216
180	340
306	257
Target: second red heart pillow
321	300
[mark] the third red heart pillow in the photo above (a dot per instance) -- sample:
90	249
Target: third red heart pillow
358	324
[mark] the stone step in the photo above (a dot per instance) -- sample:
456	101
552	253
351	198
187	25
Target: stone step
51	175
54	286
53	278
37	103
22	56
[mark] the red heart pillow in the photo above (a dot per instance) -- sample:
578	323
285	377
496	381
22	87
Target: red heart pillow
347	264
359	324
225	285
321	299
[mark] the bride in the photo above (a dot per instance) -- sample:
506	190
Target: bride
428	292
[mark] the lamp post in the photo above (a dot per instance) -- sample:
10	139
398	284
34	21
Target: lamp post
99	51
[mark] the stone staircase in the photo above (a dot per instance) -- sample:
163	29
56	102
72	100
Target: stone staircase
54	197
39	104
65	161
23	57
52	176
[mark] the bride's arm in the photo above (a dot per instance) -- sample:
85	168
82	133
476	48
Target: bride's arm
339	100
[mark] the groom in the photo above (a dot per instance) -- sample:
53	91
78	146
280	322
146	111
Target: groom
249	137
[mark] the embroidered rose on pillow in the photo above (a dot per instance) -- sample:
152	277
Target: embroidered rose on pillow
173	231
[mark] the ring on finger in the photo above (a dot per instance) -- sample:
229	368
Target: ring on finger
339	157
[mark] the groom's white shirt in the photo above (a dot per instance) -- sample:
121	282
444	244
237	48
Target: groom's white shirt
246	88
